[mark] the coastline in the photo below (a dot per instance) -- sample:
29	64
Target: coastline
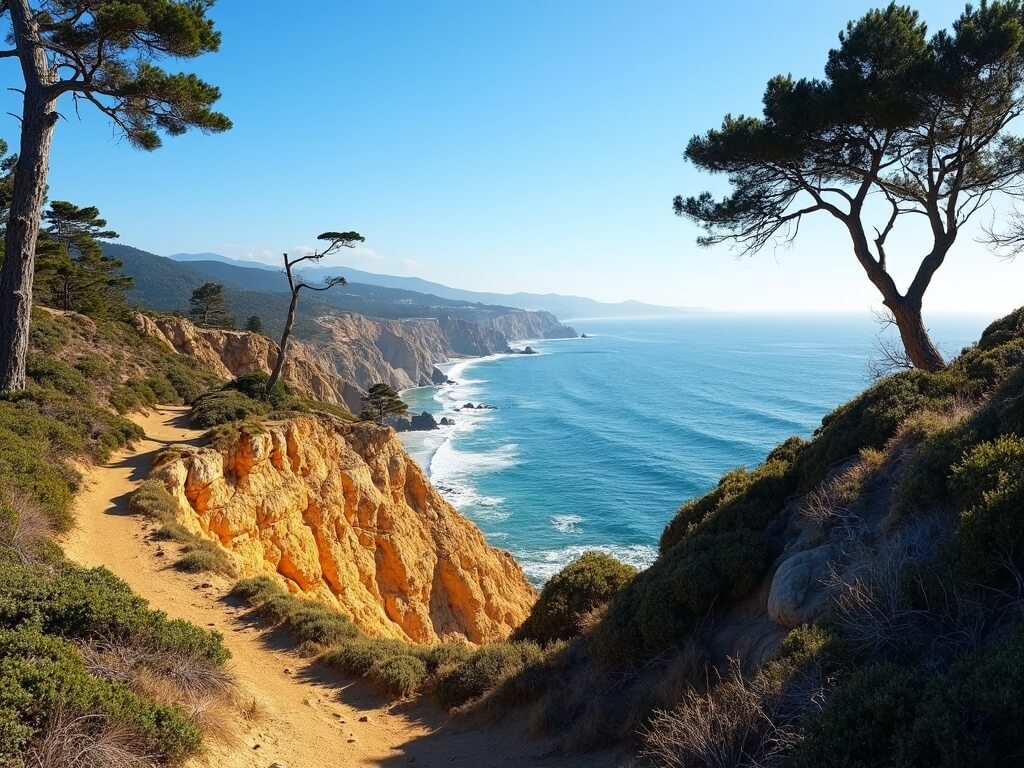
442	400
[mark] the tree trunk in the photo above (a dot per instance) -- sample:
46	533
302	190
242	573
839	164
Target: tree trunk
283	348
918	344
39	116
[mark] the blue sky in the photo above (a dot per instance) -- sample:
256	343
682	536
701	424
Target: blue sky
497	146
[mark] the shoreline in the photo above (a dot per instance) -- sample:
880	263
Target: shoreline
424	445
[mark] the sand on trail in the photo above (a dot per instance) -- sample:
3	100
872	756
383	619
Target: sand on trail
311	717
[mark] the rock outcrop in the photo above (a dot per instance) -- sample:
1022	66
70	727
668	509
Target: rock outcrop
339	512
230	354
347	353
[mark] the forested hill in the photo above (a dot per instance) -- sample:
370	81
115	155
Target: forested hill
165	285
565	307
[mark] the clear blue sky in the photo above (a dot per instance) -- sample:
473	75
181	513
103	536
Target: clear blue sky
500	146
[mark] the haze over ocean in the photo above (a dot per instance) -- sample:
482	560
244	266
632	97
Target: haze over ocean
594	443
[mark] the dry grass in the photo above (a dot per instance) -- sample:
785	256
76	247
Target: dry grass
85	742
827	507
739	721
25	528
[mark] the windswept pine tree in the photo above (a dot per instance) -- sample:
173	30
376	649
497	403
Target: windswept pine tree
101	53
72	272
382	400
209	306
904	128
335	242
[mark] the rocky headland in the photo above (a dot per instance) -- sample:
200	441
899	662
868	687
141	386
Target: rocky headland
339	512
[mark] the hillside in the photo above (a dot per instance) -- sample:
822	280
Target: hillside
566	307
358	334
855	600
91	675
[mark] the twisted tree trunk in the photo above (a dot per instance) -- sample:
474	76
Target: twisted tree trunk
39	117
918	344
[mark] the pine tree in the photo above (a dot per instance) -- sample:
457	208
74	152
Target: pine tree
254	324
103	53
382	400
210	306
72	272
335	241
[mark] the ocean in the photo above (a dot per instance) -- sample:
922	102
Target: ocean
594	443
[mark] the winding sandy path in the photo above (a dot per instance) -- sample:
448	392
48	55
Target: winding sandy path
311	716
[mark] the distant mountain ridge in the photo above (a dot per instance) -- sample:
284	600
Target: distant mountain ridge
360	334
563	306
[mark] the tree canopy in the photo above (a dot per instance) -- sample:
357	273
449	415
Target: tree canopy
72	272
902	127
107	54
382	400
209	306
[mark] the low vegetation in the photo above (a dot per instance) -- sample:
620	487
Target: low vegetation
573	599
453	672
199	554
89	675
247	399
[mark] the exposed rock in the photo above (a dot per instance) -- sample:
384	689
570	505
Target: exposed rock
232	353
418	422
340	512
797	595
526	351
446	422
437	377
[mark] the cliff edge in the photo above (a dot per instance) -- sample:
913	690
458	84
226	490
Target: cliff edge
339	512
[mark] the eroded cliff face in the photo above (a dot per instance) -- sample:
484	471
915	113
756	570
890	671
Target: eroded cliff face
230	354
352	352
341	513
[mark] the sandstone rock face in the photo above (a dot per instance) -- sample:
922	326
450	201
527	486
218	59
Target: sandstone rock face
340	512
232	353
797	595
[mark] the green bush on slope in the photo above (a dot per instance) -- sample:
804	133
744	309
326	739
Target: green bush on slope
152	500
572	595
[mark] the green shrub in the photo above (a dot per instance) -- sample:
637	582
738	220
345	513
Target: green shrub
485	670
872	419
223	407
49	334
989	484
79	603
92	367
359	655
399	675
42	676
224	436
742	500
574	593
152	500
254	385
187	379
866	722
319	625
255	589
203	555
883	715
657	607
49	373
132	395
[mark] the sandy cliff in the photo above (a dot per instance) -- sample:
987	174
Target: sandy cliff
231	353
340	512
352	352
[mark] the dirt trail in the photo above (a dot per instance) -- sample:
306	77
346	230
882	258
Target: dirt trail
311	716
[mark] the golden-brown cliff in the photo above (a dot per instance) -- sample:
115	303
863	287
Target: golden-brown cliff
340	512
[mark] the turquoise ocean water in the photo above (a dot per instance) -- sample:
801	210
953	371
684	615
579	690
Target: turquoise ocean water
594	443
